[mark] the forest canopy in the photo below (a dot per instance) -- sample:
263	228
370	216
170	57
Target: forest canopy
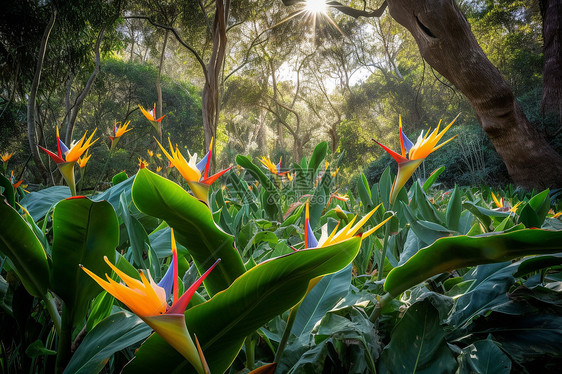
262	78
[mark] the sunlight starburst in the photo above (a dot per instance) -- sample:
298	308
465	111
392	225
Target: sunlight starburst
316	6
312	12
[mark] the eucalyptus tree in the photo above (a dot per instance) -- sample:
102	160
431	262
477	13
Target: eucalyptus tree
446	42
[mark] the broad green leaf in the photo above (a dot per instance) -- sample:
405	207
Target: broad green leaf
451	253
488	286
83	233
432	177
38	203
364	192
411	247
113	194
417	344
271	199
454	208
99	309
241	188
483	357
294	216
118	178
344	343
193	226
536	263
114	333
529	217
321	299
138	237
422	205
528	337
541	205
317	203
21	246
385	185
38	232
483	214
504	225
37	349
427	232
263	292
318	155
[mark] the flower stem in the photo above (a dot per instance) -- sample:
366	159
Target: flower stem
65	340
53	312
287	332
250	346
383	253
385	299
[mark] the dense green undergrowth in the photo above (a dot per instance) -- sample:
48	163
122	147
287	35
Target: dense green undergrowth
458	280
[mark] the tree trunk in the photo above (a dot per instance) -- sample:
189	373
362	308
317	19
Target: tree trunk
73	113
446	42
280	136
297	149
210	97
159	85
551	12
31	105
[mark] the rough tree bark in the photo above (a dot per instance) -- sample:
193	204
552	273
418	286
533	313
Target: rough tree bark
32	104
447	43
551	12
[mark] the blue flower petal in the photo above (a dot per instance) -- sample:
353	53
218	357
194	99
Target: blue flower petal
312	242
168	280
201	164
63	147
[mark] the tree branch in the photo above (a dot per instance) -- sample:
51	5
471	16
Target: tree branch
355	13
80	99
178	38
32	105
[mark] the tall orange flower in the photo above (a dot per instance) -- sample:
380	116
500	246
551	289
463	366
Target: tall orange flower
196	174
274	169
414	154
6	156
151	116
349	231
149	301
118	131
66	158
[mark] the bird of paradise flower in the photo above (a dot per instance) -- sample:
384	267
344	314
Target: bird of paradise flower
67	158
503	207
118	131
274	169
349	231
149	301
151	116
414	154
196	174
